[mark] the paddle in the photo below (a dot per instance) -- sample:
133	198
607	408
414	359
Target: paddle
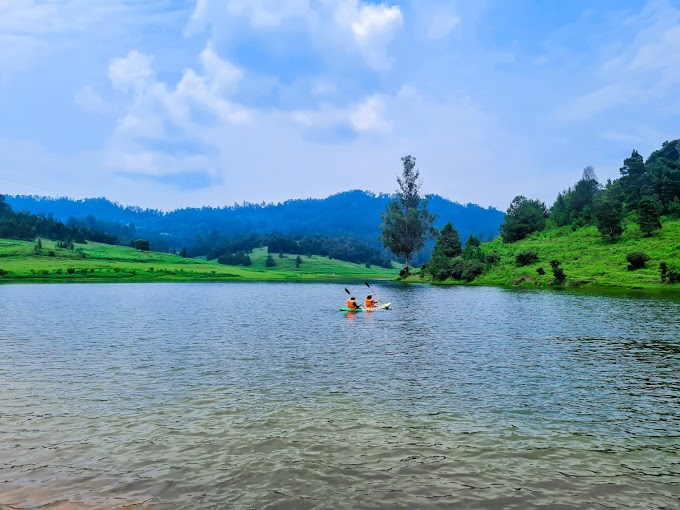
348	292
373	292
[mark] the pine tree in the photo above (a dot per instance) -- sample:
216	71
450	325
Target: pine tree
407	224
648	215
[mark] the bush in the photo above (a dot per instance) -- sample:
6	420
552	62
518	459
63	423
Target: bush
51	253
637	260
493	258
368	265
270	262
540	271
472	270
525	258
558	272
4	272
70	270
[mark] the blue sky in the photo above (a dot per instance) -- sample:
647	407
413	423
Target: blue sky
169	104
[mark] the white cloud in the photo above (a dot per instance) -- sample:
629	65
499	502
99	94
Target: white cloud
646	69
130	73
334	25
373	26
368	116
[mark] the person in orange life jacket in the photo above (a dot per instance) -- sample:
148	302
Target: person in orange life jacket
370	302
352	303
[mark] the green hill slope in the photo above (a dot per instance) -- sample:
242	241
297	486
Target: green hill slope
587	258
100	262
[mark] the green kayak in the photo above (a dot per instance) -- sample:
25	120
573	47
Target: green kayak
379	308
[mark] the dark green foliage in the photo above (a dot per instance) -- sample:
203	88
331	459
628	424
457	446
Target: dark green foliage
184	253
23	225
674	208
669	274
558	272
448	242
456	268
367	265
523	217
648	215
142	245
51	253
493	258
298	262
70	270
636	260
3	272
540	271
407	224
270	262
526	258
473	240
609	217
574	206
633	179
235	259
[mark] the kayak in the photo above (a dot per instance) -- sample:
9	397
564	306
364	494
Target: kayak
379	308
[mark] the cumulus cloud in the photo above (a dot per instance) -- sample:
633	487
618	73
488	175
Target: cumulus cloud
334	25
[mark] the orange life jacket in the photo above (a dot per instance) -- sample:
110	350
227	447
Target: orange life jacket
370	303
352	304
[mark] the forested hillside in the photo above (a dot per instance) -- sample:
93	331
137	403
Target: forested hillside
352	214
625	232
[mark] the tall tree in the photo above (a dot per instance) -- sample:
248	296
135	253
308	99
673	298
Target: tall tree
407	224
523	217
609	217
648	215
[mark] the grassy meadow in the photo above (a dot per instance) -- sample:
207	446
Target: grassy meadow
93	262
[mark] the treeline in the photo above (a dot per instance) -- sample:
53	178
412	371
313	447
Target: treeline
26	226
352	214
645	191
233	251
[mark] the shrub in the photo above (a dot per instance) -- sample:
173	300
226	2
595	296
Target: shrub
270	262
540	271
673	276
637	260
70	270
493	258
51	253
44	272
525	258
4	272
558	272
471	270
58	271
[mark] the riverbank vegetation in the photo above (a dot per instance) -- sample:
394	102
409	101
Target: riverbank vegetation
49	261
625	233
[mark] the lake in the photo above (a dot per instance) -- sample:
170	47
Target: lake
265	396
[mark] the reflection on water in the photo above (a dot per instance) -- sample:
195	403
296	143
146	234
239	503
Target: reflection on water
174	396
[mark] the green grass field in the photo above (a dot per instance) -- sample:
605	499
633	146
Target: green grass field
587	259
100	262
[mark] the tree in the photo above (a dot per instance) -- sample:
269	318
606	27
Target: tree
648	215
184	253
558	272
298	261
609	218
448	242
142	245
523	217
407	224
270	262
633	178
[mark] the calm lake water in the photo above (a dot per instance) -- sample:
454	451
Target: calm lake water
265	396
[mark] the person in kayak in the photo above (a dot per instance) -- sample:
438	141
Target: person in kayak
352	303
370	302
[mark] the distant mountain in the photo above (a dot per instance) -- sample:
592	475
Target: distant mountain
353	214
